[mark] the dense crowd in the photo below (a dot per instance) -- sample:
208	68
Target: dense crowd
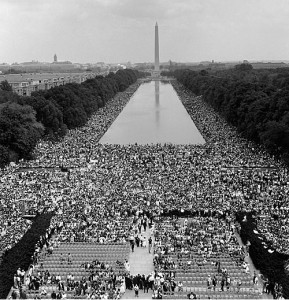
97	190
39	184
203	235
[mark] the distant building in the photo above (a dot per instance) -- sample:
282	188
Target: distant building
55	58
100	64
215	65
25	84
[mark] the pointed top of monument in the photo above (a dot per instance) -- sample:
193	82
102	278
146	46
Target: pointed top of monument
156	23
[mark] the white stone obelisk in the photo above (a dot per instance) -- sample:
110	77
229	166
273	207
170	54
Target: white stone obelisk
157	54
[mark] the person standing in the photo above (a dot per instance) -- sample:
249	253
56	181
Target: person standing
136	289
173	286
145	284
150	244
127	266
209	282
222	283
128	282
214	281
255	278
137	241
144	223
132	245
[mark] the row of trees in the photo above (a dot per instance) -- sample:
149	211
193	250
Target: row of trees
255	101
24	120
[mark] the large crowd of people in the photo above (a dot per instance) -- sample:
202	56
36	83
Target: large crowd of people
97	190
195	245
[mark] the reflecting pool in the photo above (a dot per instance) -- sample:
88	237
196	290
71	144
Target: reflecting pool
153	115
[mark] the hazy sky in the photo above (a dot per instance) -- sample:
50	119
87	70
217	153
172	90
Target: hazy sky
123	30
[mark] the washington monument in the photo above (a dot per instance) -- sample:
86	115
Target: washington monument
157	54
156	72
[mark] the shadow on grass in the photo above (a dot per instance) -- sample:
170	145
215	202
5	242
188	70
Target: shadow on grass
20	255
270	264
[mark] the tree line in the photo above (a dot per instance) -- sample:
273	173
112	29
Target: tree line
256	102
50	113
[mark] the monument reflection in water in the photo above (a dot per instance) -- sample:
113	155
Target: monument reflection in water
153	115
157	98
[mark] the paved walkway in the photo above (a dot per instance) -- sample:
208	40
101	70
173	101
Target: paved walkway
141	262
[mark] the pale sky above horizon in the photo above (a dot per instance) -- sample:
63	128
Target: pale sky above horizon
123	30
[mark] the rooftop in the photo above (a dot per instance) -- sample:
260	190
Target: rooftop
36	76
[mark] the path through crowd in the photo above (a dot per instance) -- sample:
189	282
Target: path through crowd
141	262
253	269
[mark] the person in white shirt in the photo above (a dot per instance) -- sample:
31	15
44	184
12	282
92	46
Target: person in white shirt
127	265
58	278
180	286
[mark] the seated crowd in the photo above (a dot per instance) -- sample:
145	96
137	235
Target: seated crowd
194	245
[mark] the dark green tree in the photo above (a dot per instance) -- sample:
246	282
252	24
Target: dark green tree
244	67
4	156
47	113
19	130
5	86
